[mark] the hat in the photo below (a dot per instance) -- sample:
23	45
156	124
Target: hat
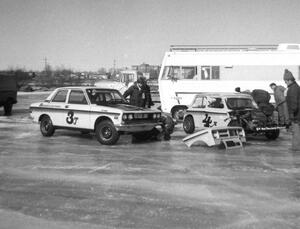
288	75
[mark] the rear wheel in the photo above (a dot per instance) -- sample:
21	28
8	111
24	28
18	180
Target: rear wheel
272	134
106	133
46	127
189	125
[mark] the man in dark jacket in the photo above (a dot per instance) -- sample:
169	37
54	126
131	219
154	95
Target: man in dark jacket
293	104
147	93
136	93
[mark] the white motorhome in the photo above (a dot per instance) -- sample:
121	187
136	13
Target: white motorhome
187	70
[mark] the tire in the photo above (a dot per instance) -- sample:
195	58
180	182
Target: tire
272	134
106	133
189	125
46	126
178	113
7	109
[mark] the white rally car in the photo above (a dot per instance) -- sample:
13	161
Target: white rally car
231	109
92	109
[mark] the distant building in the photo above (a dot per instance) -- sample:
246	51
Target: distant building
152	70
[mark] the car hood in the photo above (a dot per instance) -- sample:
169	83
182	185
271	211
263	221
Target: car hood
127	107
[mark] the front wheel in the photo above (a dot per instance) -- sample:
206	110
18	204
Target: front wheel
46	127
8	109
272	134
106	133
189	125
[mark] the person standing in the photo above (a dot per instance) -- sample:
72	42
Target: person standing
281	106
147	103
293	105
136	93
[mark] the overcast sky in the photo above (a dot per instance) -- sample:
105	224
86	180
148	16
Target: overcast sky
89	34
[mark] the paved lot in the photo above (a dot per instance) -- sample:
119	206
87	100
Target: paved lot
71	181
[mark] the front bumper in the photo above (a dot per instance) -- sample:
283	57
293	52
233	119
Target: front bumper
137	127
269	128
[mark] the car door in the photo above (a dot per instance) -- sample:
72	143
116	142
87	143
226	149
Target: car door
77	110
198	110
56	107
216	112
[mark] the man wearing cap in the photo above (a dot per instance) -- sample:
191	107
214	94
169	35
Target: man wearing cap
293	104
136	93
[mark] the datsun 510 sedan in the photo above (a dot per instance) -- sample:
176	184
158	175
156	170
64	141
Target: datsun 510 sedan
91	109
231	109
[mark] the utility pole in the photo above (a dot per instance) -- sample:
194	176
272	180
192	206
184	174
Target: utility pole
46	64
114	66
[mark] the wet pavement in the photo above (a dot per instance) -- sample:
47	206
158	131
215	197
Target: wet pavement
71	181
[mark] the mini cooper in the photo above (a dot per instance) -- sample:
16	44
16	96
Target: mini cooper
90	109
230	109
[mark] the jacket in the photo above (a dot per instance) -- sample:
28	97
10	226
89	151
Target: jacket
293	102
136	95
279	94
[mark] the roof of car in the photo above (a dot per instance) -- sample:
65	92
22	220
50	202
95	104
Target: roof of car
224	94
86	87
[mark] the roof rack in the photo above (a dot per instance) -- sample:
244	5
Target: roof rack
223	47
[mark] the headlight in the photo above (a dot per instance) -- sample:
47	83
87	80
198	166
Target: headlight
125	117
130	116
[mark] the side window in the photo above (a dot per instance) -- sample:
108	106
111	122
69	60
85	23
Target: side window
60	96
179	72
210	72
205	73
216	103
215	72
77	97
199	102
188	72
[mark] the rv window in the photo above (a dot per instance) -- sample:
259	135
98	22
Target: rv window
171	73
188	72
205	73
215	72
179	72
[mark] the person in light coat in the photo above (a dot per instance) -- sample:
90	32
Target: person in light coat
281	106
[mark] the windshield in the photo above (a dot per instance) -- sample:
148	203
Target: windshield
105	97
240	103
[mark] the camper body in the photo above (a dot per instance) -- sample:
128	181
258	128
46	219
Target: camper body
188	70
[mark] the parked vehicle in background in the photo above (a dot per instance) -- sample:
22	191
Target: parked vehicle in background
8	91
230	109
100	110
125	80
188	70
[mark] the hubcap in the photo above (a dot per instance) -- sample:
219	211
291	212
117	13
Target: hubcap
106	132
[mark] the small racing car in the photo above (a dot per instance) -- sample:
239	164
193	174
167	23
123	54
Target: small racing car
92	109
230	109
